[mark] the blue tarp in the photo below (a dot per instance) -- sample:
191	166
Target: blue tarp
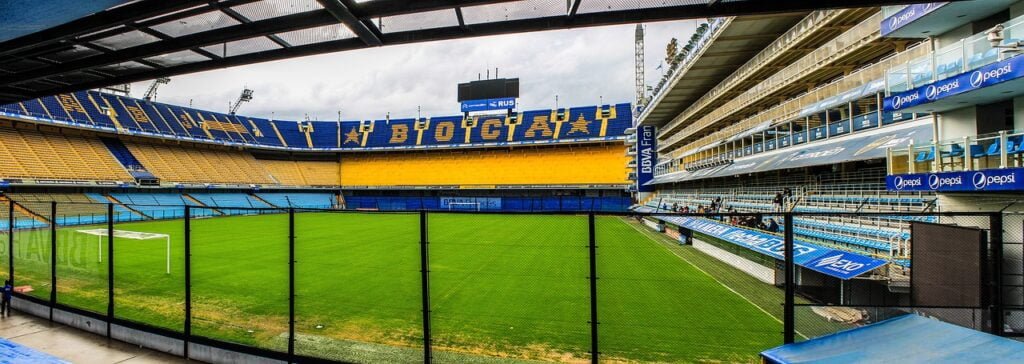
906	339
11	352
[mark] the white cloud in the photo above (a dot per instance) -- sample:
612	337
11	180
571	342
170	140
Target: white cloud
580	66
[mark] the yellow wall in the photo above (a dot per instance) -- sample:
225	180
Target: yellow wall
575	165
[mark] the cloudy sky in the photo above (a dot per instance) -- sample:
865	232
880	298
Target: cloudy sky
581	66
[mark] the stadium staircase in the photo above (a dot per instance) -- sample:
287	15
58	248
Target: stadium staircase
260	199
117	204
649	198
196	202
129	162
21	209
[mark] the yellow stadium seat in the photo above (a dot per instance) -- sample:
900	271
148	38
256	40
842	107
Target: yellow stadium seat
31	154
193	165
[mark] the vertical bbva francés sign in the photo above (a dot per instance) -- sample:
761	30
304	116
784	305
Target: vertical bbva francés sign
646	157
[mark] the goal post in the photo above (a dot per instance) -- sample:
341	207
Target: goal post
125	234
470	206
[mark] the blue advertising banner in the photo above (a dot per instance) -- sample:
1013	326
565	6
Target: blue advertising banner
836	263
907	15
471	203
1010	179
646	157
489	104
981	77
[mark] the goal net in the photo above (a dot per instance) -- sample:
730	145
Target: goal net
125	234
463	206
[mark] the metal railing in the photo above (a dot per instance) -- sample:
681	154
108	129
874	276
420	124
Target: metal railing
959	57
1003	149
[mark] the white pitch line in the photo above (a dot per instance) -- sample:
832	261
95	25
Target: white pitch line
655	240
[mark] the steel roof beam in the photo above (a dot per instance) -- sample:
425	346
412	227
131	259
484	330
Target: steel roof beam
341	12
96	22
227	34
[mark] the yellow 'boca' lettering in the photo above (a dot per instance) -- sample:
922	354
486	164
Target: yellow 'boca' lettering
539	125
488	130
444	131
399	133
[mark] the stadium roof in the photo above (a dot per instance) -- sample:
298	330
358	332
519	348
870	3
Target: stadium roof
739	39
146	39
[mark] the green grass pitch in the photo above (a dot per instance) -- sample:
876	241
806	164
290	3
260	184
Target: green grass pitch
503	287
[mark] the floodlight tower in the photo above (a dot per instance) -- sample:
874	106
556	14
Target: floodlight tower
641	96
151	91
246	96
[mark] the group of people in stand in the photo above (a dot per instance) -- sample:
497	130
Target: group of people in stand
779	204
755	222
781	198
713	208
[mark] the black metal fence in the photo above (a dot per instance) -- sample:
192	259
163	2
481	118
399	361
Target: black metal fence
309	285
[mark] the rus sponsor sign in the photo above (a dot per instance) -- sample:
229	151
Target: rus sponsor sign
646	157
836	263
489	104
981	77
1010	179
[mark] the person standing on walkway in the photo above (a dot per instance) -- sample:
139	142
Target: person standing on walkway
5	302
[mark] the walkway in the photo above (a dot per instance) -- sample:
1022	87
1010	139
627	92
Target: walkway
75	345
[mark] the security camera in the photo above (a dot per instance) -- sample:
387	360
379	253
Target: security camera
995	35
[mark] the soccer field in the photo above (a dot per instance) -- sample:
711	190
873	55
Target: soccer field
502	287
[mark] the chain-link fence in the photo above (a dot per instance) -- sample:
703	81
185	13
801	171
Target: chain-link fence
309	285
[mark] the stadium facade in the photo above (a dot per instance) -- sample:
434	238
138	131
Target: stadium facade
870	131
901	109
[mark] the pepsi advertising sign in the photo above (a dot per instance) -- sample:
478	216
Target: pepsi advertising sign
646	157
981	77
1010	179
503	103
907	15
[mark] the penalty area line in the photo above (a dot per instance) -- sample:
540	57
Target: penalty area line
655	239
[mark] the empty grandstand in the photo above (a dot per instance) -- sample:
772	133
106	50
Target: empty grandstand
789	176
863	122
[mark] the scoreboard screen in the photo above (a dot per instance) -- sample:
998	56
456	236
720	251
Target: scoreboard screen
489	89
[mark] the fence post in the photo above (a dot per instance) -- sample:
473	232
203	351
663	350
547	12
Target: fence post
996	240
592	247
291	284
110	266
425	285
10	241
53	257
788	319
188	279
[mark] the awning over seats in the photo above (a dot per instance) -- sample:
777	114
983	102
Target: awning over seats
859	146
906	339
